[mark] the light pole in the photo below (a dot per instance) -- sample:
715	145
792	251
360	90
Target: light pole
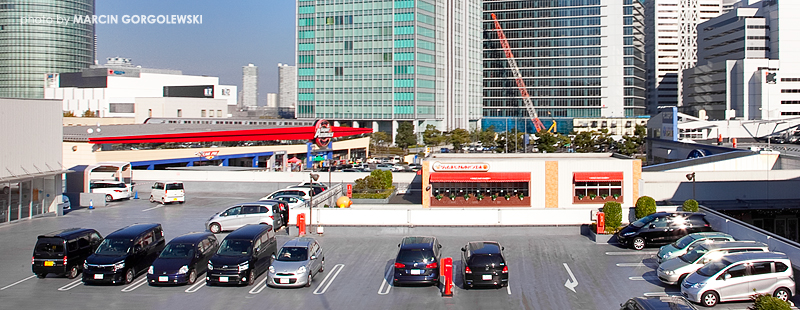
691	177
313	177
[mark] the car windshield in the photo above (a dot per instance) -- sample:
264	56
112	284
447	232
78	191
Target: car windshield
416	255
293	254
642	221
50	246
114	247
234	247
712	268
177	250
485	260
684	242
694	255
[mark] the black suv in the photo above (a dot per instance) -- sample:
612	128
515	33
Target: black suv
124	254
417	261
64	251
243	256
484	264
661	228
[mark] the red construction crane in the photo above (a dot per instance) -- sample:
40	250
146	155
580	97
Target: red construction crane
526	98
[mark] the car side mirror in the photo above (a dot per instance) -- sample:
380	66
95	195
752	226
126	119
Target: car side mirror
463	249
440	246
502	248
726	276
652	225
313	257
137	248
398	245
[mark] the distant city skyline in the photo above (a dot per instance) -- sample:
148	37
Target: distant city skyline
232	35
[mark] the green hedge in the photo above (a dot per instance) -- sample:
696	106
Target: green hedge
645	206
767	302
613	213
374	195
691	205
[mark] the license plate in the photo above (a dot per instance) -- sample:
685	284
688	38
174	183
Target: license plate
49	263
163	279
416	271
223	279
174	199
284	281
98	276
487	277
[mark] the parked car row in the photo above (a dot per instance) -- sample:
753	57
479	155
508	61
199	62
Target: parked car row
120	257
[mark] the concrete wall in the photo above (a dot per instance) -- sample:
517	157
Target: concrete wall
190	108
242	177
31	137
722	185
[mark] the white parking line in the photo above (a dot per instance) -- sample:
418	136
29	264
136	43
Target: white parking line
18	282
135	285
642	278
633	253
631	265
662	294
260	286
71	285
153	208
386	283
200	283
508	288
328	283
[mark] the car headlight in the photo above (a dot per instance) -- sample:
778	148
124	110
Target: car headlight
150	270
210	267
302	269
183	269
119	266
244	266
698	285
628	234
85	265
669	272
271	269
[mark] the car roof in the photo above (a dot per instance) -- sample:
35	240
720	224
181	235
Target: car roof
191	237
132	231
417	242
108	182
709	234
169	181
666	303
248	231
68	233
266	203
733	244
290	196
302	189
299	242
744	256
484	247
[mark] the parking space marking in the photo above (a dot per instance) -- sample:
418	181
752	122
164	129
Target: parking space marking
18	282
633	253
261	285
648	278
325	281
195	286
386	283
631	265
153	208
662	294
135	285
71	285
508	288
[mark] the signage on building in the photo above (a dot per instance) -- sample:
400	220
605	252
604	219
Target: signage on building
323	133
437	166
51	80
189	91
207	154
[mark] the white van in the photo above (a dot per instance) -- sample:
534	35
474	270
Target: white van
167	191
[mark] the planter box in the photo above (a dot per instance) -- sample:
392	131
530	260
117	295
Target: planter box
483	203
374	201
601	238
597	200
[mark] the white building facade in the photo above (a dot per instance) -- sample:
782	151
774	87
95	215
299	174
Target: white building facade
287	86
249	86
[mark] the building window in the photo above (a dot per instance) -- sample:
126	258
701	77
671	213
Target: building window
219	113
180	113
202	113
598	192
339	71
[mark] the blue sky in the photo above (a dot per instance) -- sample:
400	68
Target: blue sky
233	34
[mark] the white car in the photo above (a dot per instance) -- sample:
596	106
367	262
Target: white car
303	192
114	190
167	191
293	201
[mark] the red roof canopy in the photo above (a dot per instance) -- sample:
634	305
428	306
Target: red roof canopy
474	177
270	134
597	176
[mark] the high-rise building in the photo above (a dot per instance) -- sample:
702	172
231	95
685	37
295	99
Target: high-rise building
249	86
671	45
748	64
375	63
272	100
40	37
579	58
287	86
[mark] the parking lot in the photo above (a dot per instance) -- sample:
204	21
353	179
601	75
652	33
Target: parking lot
542	261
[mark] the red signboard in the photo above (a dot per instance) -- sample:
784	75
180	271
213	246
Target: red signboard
349	190
604	176
207	154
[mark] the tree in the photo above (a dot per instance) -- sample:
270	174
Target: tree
632	144
546	142
69	114
379	139
515	142
584	142
458	138
405	135
89	113
488	137
432	136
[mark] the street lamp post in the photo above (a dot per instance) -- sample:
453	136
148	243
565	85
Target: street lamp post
313	177
691	177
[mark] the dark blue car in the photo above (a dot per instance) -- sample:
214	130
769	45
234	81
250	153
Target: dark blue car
417	261
183	259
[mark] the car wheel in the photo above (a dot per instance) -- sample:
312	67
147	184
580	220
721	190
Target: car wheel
250	278
109	198
681	278
782	294
308	281
129	276
163	202
192	277
152	200
181	202
709	299
215	228
638	243
41	275
73	272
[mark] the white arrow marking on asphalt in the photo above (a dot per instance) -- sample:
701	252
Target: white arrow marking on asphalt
571	282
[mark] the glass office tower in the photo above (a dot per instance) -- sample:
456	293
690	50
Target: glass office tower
579	58
39	37
372	63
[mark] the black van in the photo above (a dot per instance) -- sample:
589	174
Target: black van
243	256
124	254
63	252
662	228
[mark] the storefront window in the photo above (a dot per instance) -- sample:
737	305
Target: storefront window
25	199
13	212
38	196
5	194
611	189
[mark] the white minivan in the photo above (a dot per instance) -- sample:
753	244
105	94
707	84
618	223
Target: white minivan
167	191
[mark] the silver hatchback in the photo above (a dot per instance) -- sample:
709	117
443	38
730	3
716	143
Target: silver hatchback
298	261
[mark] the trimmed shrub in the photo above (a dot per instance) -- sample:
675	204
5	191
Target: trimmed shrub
767	302
613	212
645	206
691	205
